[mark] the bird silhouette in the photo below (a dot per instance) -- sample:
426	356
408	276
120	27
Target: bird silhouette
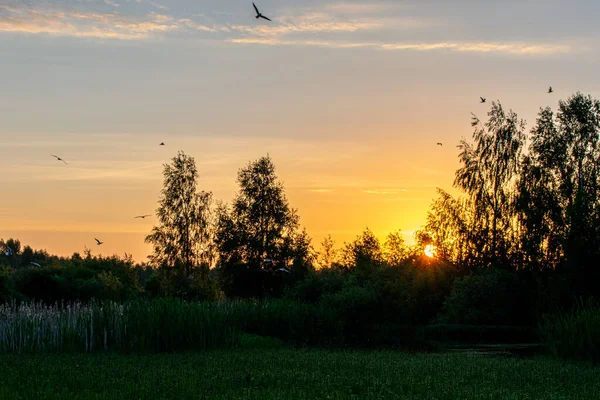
162	144
58	158
258	14
482	99
439	144
143	216
550	89
99	242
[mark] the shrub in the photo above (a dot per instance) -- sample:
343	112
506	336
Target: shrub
358	307
7	286
316	285
487	297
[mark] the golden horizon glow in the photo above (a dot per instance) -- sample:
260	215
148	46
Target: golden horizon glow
348	98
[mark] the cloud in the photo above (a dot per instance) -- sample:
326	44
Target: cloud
321	190
475	47
385	191
343	22
111	3
311	22
29	20
364	8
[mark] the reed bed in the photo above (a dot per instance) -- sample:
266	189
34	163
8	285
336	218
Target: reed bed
161	325
574	334
138	326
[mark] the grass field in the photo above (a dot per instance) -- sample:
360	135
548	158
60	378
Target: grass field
293	374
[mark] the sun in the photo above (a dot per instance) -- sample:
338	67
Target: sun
430	251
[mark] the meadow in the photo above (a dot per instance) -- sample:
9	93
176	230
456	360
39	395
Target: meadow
281	373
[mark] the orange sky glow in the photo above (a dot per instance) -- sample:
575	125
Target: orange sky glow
348	98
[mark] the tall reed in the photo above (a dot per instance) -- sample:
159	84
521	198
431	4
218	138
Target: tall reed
574	334
140	326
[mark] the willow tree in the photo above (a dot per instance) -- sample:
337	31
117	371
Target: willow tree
184	237
450	225
490	170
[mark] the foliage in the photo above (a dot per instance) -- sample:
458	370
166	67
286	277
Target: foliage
488	297
140	326
7	289
259	234
488	176
560	186
184	237
574	334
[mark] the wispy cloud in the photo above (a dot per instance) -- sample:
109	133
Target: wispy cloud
477	47
309	23
112	3
364	8
349	26
321	190
30	20
385	191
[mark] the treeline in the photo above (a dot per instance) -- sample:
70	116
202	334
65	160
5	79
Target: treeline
522	241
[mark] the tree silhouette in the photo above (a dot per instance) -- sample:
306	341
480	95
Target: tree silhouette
450	224
328	256
184	237
394	249
491	167
259	229
364	255
560	187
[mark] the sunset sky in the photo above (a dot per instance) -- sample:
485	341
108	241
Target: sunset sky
348	98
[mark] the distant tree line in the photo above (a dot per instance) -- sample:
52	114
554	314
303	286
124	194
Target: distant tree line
522	240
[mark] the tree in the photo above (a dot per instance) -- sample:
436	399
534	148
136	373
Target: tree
260	229
184	237
328	256
560	188
394	249
491	167
363	255
451	229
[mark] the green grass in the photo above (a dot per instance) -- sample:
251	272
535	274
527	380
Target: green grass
292	374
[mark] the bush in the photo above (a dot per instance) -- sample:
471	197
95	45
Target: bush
7	285
292	321
488	297
358	307
312	288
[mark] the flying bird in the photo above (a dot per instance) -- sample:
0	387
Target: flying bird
99	242
482	99
259	15
58	158
550	89
162	144
143	216
8	252
284	270
439	144
34	263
